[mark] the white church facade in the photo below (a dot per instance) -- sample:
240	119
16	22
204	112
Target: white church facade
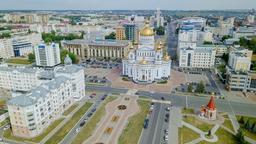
146	62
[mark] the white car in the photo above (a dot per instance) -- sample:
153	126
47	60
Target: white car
166	137
77	130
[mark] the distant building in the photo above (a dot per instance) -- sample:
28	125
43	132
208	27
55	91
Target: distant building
131	31
105	49
239	61
159	18
120	33
47	55
244	32
199	57
6	50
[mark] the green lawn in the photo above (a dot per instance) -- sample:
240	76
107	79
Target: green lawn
224	138
132	132
254	57
88	129
198	123
70	109
2	102
251	120
187	111
63	131
6	121
228	124
186	135
18	61
8	133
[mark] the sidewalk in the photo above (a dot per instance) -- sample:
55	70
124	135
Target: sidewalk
175	123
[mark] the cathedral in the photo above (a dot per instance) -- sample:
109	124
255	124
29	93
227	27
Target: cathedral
146	62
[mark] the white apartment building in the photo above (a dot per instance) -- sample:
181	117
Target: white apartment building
47	55
18	79
244	32
6	50
30	114
199	57
76	74
220	50
239	61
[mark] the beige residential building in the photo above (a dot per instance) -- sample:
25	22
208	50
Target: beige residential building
97	48
120	33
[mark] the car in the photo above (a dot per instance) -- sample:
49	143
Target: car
89	115
82	123
77	130
166	131
162	98
167	115
166	137
166	119
167	109
93	110
145	125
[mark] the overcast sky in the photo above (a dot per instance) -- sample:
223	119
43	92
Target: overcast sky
126	4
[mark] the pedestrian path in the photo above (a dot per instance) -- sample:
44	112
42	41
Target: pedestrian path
175	123
234	121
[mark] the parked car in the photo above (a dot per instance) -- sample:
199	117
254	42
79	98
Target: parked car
82	123
145	125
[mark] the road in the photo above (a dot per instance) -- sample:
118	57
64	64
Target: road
155	131
72	133
192	101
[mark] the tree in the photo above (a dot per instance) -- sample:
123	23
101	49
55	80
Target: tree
254	128
241	121
225	37
225	57
31	57
190	88
5	35
64	53
240	137
200	87
111	36
207	42
247	125
160	30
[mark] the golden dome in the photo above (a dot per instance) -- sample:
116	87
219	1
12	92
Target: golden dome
147	30
143	61
159	47
167	57
131	47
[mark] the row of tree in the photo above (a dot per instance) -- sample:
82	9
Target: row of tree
251	44
53	37
200	88
248	125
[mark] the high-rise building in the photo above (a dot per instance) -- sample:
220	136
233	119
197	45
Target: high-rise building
120	32
6	50
131	31
47	55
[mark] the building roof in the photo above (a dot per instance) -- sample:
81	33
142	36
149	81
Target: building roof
211	104
18	69
37	93
98	42
69	69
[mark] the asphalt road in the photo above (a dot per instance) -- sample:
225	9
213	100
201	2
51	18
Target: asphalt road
192	101
72	133
154	134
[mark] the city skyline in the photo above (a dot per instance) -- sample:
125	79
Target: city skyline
126	5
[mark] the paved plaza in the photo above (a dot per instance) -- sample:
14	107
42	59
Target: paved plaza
112	124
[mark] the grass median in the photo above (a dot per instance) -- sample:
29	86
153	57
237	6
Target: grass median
69	110
63	131
18	61
187	135
88	129
132	132
8	134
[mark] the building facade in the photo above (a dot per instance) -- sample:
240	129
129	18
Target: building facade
120	33
199	57
18	79
30	114
131	31
146	63
47	55
105	49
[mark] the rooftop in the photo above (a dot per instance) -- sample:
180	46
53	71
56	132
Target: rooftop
99	42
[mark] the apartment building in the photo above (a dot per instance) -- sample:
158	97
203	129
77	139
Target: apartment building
18	79
47	55
30	114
